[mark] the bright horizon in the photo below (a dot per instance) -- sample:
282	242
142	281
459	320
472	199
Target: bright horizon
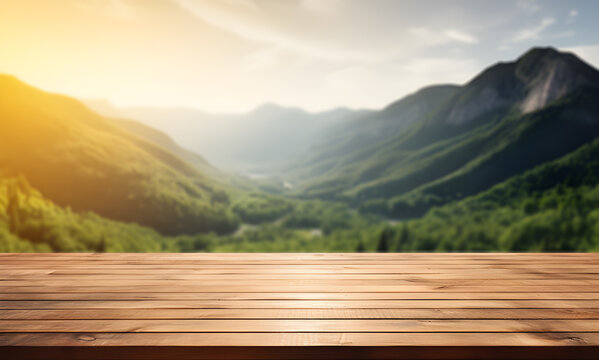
232	56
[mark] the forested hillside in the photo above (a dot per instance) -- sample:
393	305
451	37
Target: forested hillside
553	207
72	180
511	117
507	162
30	222
79	159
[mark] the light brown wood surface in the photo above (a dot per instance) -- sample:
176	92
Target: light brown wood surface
299	306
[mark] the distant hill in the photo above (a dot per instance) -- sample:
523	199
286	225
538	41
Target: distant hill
87	162
261	140
159	138
510	118
341	142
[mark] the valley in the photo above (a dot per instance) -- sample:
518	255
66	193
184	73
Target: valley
508	161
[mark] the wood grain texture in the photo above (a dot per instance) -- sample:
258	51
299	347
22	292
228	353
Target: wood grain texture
298	306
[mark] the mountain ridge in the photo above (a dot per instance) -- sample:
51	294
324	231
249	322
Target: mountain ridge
82	160
459	131
256	141
509	168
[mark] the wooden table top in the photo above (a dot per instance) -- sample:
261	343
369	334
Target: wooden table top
297	306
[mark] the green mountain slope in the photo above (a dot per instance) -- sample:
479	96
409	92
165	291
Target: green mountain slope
508	119
346	143
31	223
79	159
553	207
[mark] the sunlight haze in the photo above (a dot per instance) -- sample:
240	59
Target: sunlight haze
232	56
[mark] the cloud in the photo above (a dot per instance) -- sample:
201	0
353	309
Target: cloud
250	21
269	57
392	81
533	33
572	14
331	30
113	8
430	37
322	6
440	69
233	54
460	36
564	34
530	6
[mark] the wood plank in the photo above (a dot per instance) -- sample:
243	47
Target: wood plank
301	296
550	283
297	288
328	313
309	339
349	268
301	304
289	269
504	277
294	326
298	271
261	306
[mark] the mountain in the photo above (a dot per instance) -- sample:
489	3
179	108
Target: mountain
505	162
86	162
552	207
258	141
510	118
31	223
367	130
161	139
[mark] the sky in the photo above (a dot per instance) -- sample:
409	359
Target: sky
234	55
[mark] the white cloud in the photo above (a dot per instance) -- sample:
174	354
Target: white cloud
572	14
113	8
425	35
247	20
564	34
322	6
533	33
460	36
333	30
440	70
530	6
393	81
262	58
349	76
430	37
230	55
